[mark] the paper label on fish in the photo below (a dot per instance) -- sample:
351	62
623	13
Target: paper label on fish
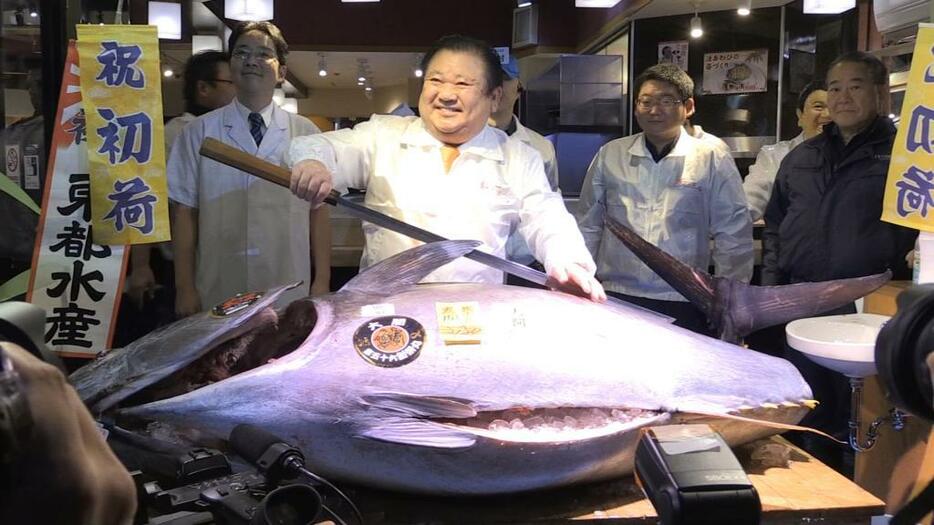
459	323
377	310
389	341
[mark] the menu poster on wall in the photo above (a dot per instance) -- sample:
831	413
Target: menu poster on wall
736	72
675	52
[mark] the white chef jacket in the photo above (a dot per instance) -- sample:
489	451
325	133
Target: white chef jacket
761	177
495	186
516	248
690	196
252	234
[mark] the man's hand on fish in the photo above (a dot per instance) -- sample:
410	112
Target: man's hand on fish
312	181
576	280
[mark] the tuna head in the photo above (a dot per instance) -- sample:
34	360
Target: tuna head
477	388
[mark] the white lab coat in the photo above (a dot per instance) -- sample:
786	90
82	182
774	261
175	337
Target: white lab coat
758	183
252	234
679	203
494	186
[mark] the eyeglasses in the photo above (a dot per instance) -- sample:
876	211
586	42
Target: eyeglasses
262	55
647	103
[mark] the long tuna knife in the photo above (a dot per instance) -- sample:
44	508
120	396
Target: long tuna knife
235	158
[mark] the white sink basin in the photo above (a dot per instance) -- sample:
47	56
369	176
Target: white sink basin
844	343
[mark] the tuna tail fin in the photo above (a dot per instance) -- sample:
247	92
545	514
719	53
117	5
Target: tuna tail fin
737	309
407	268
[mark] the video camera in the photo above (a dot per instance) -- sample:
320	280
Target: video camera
208	491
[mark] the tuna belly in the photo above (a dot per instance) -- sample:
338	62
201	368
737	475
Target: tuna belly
493	453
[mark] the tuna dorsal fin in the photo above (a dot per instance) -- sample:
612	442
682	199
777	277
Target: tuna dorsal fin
737	309
407	268
695	285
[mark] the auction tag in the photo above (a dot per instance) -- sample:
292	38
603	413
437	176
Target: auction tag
458	323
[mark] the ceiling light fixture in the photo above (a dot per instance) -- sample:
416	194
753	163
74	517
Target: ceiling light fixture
745	7
168	73
248	10
827	7
697	30
322	66
167	17
595	3
419	72
522	4
361	79
33	14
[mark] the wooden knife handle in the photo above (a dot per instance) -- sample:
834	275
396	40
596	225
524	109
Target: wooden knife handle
235	158
243	161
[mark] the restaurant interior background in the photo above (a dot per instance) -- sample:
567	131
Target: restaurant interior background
349	60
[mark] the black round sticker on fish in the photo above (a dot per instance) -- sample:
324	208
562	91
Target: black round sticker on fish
390	341
236	304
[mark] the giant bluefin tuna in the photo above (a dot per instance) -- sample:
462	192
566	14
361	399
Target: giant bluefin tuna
442	388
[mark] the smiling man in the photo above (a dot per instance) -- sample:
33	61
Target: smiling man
823	218
674	190
449	172
234	232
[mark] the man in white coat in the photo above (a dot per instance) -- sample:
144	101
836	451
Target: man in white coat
449	172
812	115
504	119
234	232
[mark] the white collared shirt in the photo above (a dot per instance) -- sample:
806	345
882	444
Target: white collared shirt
494	187
761	177
679	203
266	112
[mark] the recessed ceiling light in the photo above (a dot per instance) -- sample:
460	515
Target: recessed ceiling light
168	73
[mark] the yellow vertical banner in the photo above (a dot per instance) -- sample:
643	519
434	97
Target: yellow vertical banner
909	191
121	87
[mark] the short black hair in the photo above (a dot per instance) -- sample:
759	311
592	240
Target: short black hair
670	73
270	29
815	85
477	47
201	66
878	73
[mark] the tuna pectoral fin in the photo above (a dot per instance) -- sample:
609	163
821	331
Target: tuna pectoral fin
418	433
407	268
420	406
737	309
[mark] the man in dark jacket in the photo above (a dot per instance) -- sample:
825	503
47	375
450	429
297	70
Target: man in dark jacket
822	220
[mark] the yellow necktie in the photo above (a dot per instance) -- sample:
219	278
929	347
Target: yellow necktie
448	154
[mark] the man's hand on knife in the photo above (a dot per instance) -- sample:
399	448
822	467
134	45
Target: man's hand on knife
311	180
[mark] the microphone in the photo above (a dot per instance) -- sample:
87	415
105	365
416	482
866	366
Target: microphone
277	459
